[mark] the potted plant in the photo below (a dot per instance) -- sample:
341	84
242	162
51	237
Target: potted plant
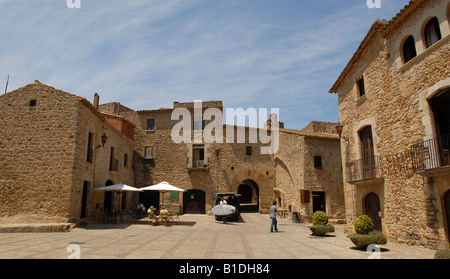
365	235
320	225
442	254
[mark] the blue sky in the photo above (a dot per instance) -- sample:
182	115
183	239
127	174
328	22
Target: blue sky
146	54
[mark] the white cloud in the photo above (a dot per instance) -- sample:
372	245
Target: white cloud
147	54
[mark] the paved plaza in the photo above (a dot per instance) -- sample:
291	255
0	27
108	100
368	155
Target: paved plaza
196	237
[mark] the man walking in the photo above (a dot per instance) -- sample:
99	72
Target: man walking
273	215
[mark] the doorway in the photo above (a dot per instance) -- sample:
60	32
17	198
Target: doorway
108	200
149	198
373	210
439	105
368	155
84	197
246	193
319	201
194	202
447	212
249	198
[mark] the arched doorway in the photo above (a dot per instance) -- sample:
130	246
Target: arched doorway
249	198
447	212
194	202
246	193
373	210
108	200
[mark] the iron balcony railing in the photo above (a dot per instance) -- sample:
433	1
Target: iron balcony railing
197	164
364	169
431	154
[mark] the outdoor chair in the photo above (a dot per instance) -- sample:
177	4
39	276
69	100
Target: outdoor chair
174	217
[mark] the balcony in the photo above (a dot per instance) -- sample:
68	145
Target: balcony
431	156
197	164
364	170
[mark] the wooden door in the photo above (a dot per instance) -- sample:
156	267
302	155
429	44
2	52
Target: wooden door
84	199
319	203
368	157
447	212
373	210
194	202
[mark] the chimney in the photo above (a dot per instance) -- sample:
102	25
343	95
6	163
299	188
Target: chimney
96	100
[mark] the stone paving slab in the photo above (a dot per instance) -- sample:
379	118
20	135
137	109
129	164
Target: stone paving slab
196	237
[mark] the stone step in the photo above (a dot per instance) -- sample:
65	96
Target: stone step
42	227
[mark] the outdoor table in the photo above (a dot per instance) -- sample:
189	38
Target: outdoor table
283	212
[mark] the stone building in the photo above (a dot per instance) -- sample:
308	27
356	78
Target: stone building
55	148
394	104
308	168
204	169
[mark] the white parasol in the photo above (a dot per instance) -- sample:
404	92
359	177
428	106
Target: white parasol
223	210
163	188
118	187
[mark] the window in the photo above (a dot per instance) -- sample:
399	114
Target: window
409	49
90	149
432	32
361	87
150	124
199	124
248	150
125	160
198	155
113	162
33	103
148	152
318	162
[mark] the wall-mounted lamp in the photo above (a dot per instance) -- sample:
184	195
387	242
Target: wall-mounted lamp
104	139
339	130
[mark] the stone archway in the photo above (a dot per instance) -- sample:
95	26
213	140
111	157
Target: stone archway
249	198
258	183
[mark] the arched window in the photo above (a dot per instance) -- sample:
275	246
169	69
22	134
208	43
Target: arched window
432	32
409	49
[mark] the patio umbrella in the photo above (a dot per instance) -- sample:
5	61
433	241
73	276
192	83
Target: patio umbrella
163	188
119	188
223	210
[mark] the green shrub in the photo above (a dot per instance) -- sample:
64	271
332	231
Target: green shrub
320	230
320	218
364	240
364	225
442	254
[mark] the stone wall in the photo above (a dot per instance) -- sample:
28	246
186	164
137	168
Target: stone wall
37	151
43	156
295	169
395	106
226	169
277	177
97	173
